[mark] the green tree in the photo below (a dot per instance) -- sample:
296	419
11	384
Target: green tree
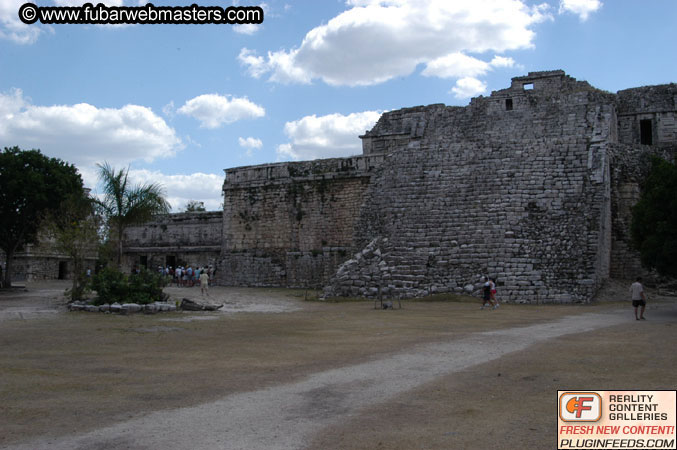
75	232
654	219
31	186
194	205
124	204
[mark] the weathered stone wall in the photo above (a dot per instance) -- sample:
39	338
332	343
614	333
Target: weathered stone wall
521	193
28	266
655	103
532	185
42	261
443	218
174	239
557	106
291	224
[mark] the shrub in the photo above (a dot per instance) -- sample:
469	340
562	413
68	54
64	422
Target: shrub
146	287
113	286
110	285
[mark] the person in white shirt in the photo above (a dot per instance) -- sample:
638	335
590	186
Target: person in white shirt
638	298
204	283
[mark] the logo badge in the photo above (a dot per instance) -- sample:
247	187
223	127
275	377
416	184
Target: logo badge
580	407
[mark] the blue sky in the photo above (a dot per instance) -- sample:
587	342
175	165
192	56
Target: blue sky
180	103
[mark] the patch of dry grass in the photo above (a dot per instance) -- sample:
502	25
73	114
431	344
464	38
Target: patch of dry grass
78	371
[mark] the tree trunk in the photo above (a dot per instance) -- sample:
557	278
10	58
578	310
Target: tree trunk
119	247
77	268
7	281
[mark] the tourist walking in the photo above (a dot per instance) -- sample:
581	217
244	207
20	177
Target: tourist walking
204	283
486	294
638	298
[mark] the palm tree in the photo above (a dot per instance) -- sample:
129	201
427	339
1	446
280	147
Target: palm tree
124	205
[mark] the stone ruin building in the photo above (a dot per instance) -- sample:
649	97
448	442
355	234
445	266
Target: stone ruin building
173	240
44	260
532	185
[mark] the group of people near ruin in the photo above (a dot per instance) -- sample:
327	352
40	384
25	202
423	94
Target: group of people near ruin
189	276
186	276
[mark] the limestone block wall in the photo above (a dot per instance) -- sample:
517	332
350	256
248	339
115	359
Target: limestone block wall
532	185
291	224
559	106
398	129
534	215
518	190
657	104
32	267
174	239
43	261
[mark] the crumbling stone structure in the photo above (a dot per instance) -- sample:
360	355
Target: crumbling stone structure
44	261
524	191
174	239
532	185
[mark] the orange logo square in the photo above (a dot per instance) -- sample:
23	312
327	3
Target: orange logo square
580	407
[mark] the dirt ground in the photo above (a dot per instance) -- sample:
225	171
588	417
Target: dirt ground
65	375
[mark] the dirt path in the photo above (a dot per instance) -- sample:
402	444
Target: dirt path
290	416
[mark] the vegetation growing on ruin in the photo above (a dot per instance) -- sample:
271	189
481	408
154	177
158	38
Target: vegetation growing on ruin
195	206
654	219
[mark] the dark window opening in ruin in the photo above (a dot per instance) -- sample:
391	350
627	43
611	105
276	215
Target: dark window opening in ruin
143	261
170	261
646	132
63	270
508	104
528	86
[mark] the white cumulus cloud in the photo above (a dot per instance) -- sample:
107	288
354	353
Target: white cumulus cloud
180	189
13	29
329	136
250	144
252	28
83	134
502	61
456	65
376	40
213	110
582	8
246	28
459	65
468	87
